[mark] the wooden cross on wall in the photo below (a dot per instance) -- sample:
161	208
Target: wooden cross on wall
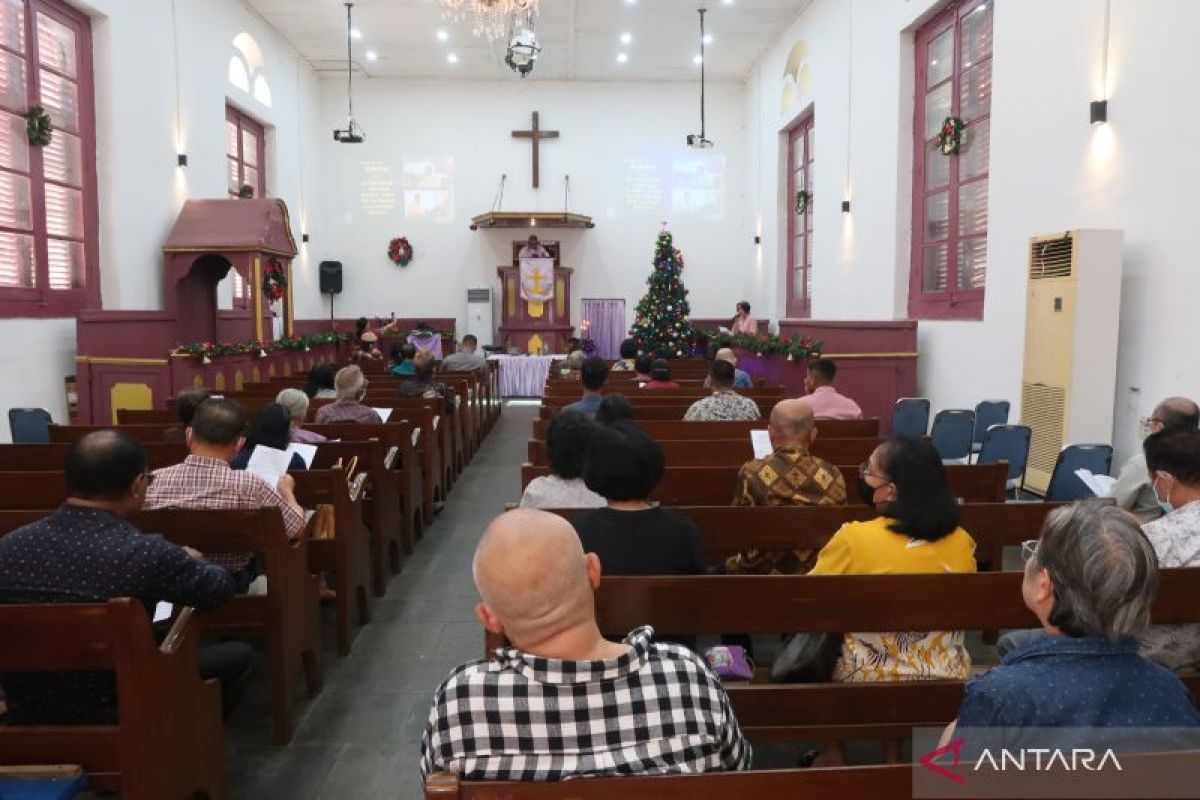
536	135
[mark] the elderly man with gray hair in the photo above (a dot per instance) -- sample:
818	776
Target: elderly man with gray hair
297	402
1089	579
1134	490
741	378
351	387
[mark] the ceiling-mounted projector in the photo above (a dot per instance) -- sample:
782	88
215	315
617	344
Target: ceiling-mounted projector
698	141
352	134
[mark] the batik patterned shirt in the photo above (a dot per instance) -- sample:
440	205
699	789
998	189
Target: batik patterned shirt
727	406
517	716
1176	540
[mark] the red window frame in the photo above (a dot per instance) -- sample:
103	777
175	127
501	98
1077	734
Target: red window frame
800	225
963	230
39	299
239	159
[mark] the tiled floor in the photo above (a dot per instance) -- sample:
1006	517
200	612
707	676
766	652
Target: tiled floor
360	738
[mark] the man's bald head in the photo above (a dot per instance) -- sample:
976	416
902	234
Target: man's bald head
726	354
533	577
792	423
1175	413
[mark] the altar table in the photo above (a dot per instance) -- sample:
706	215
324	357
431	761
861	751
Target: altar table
524	376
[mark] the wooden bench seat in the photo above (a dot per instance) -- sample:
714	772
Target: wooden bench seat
676	428
726	452
168	741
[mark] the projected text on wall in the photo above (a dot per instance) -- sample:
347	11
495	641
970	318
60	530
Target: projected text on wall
668	181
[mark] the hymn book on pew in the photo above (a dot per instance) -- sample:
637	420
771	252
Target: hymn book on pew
383	413
1100	485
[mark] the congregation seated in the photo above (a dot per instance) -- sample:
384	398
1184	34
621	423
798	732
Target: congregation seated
568	439
613	408
917	531
297	403
575	360
826	401
205	480
320	384
533	711
1089	578
632	535
641	369
423	385
1134	491
403	356
271	428
467	359
88	552
741	378
186	403
593	375
629	351
1173	458
790	476
660	376
351	387
724	404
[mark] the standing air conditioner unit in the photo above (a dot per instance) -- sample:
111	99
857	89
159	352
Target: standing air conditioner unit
1069	386
479	315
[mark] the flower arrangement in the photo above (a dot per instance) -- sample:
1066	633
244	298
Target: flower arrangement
400	252
768	344
274	281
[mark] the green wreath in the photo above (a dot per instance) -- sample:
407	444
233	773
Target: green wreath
950	136
38	126
803	197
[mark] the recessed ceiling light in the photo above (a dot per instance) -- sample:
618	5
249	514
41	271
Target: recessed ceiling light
452	58
697	59
442	36
626	38
622	58
355	33
708	38
630	2
372	55
728	2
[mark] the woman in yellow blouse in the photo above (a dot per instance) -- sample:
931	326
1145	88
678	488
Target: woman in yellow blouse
917	532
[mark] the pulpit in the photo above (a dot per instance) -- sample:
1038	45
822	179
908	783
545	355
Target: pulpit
530	325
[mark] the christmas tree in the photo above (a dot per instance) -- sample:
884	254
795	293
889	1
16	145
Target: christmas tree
662	328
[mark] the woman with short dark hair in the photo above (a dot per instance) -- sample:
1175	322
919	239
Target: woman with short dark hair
568	440
614	408
633	535
271	428
660	375
629	352
916	531
641	367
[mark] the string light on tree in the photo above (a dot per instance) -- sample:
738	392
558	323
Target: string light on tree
662	327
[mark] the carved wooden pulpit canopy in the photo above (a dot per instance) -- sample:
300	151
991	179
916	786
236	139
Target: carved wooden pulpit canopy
209	238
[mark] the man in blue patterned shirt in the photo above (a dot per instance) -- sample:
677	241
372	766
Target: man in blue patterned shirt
563	701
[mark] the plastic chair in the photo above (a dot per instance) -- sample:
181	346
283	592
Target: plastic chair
952	431
1064	483
987	414
1007	443
910	417
29	425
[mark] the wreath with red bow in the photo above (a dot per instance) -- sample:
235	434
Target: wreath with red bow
950	136
400	252
274	282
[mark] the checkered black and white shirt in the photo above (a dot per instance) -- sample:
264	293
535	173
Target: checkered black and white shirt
518	716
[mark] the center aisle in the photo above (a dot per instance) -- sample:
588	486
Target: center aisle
361	737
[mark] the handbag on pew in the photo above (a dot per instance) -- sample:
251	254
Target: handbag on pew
807	658
323	522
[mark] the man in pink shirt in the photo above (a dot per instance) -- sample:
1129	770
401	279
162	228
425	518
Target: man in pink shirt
824	400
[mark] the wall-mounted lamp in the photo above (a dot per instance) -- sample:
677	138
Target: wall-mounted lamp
758	240
181	159
1099	111
304	238
845	206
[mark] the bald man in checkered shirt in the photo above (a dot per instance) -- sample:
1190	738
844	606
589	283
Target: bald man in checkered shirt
563	701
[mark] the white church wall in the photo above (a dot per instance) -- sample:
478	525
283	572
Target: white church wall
140	186
622	144
1050	171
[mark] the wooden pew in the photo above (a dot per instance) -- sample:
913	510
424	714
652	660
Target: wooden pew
726	452
286	617
715	486
168	741
676	428
53	457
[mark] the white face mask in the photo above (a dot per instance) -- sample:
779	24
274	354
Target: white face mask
1165	505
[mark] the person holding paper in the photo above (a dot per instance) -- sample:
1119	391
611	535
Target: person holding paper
88	552
297	403
351	386
1133	491
790	476
272	428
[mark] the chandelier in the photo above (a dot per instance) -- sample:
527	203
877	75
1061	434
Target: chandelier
492	18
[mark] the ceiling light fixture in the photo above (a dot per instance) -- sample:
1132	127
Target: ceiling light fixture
371	55
626	38
622	58
452	58
492	18
352	133
708	39
697	59
355	34
442	36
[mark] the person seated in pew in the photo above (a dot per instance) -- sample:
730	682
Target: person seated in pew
633	535
641	369
1173	458
403	365
1089	578
593	375
660	376
917	532
790	476
561	701
613	408
568	439
368	349
741	378
467	359
724	404
351	387
205	480
185	408
629	353
88	552
423	384
320	382
825	400
271	428
1134	491
297	402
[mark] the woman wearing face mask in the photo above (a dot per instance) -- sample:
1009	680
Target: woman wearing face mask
917	532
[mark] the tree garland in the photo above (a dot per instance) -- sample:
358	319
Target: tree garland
768	344
400	252
274	282
209	350
38	126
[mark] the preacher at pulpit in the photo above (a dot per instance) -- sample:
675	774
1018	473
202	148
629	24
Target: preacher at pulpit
533	249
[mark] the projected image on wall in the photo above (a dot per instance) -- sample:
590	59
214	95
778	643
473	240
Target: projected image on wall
698	185
667	181
428	187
